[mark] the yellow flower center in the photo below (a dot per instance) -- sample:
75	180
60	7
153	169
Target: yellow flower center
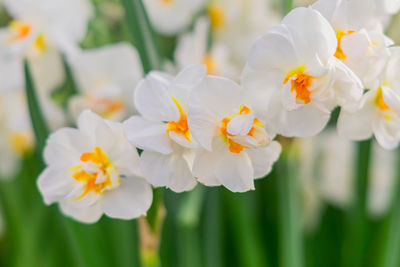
300	83
217	16
96	173
339	52
381	104
209	61
180	126
22	30
235	147
21	144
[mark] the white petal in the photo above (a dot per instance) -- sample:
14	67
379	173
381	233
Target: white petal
171	171
241	124
65	147
153	99
386	133
262	159
85	214
357	125
147	135
306	24
130	200
204	165
54	185
306	121
235	171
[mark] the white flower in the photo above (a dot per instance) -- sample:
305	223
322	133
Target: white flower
236	23
94	170
235	145
361	43
378	112
192	50
293	76
106	77
170	17
42	24
162	130
382	182
16	134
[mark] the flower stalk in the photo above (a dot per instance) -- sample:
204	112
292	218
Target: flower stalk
290	236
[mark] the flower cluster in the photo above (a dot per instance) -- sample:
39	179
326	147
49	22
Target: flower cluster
212	118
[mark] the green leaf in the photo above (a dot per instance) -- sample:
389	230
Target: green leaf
142	34
39	124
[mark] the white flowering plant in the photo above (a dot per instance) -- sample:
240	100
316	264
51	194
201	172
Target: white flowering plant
207	132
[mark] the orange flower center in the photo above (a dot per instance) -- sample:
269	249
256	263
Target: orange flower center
106	107
21	143
217	16
167	2
209	62
235	147
339	52
300	83
22	30
99	176
180	126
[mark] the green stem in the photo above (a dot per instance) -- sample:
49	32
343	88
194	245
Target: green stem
142	34
290	236
355	247
245	230
287	6
391	246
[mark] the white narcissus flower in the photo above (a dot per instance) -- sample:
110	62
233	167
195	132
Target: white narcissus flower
361	42
106	77
378	112
236	23
40	29
162	129
236	147
290	74
94	170
170	17
192	50
42	24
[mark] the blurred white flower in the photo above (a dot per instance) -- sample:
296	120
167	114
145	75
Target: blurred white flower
378	112
40	25
192	49
382	182
236	147
290	74
361	42
170	17
236	23
40	29
94	170
162	129
107	77
16	134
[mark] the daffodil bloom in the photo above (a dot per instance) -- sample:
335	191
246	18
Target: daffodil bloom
94	170
361	42
162	129
236	147
106	77
192	50
294	78
378	112
170	17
